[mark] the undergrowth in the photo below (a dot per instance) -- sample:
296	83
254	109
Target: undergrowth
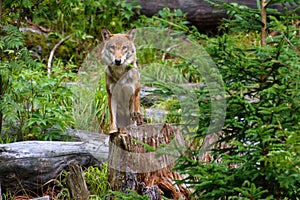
261	83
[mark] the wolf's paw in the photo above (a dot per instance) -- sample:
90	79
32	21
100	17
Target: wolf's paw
113	129
138	118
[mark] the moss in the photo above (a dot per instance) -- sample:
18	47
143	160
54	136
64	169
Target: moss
38	43
42	44
66	51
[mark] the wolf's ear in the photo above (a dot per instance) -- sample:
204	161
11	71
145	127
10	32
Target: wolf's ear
105	33
131	34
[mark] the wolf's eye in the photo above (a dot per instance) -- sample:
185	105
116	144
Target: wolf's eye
112	47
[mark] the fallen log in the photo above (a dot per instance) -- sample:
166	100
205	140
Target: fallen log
140	160
199	12
30	164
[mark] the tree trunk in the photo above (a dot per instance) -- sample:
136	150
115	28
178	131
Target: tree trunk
200	13
30	164
263	14
1	113
134	166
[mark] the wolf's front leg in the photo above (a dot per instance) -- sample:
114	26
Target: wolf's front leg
112	111
137	116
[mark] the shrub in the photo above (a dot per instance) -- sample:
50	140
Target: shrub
33	103
261	159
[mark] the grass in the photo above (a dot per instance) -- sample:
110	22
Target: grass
161	72
84	110
96	179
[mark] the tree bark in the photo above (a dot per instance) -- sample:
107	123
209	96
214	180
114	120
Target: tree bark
1	2
200	13
1	98
76	182
134	166
263	14
30	164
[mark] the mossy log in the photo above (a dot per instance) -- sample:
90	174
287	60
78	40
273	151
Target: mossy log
140	159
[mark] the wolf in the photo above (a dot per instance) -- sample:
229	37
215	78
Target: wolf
122	79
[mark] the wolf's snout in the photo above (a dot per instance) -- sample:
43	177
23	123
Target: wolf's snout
118	61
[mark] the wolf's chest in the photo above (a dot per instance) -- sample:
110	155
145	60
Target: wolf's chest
116	72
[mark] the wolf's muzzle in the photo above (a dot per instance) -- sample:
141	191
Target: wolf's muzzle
118	61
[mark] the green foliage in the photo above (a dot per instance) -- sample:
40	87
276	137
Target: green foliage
97	181
129	195
37	104
261	159
42	103
90	109
81	19
250	191
242	18
12	40
84	109
101	101
175	19
85	17
60	184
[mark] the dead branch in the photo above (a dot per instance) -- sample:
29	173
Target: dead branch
49	66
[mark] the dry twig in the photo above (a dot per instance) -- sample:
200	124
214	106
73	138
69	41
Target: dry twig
49	66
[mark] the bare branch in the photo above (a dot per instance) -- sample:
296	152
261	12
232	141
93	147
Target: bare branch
49	66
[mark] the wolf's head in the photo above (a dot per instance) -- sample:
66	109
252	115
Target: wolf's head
118	49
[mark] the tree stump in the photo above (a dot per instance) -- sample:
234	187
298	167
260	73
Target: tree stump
135	166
